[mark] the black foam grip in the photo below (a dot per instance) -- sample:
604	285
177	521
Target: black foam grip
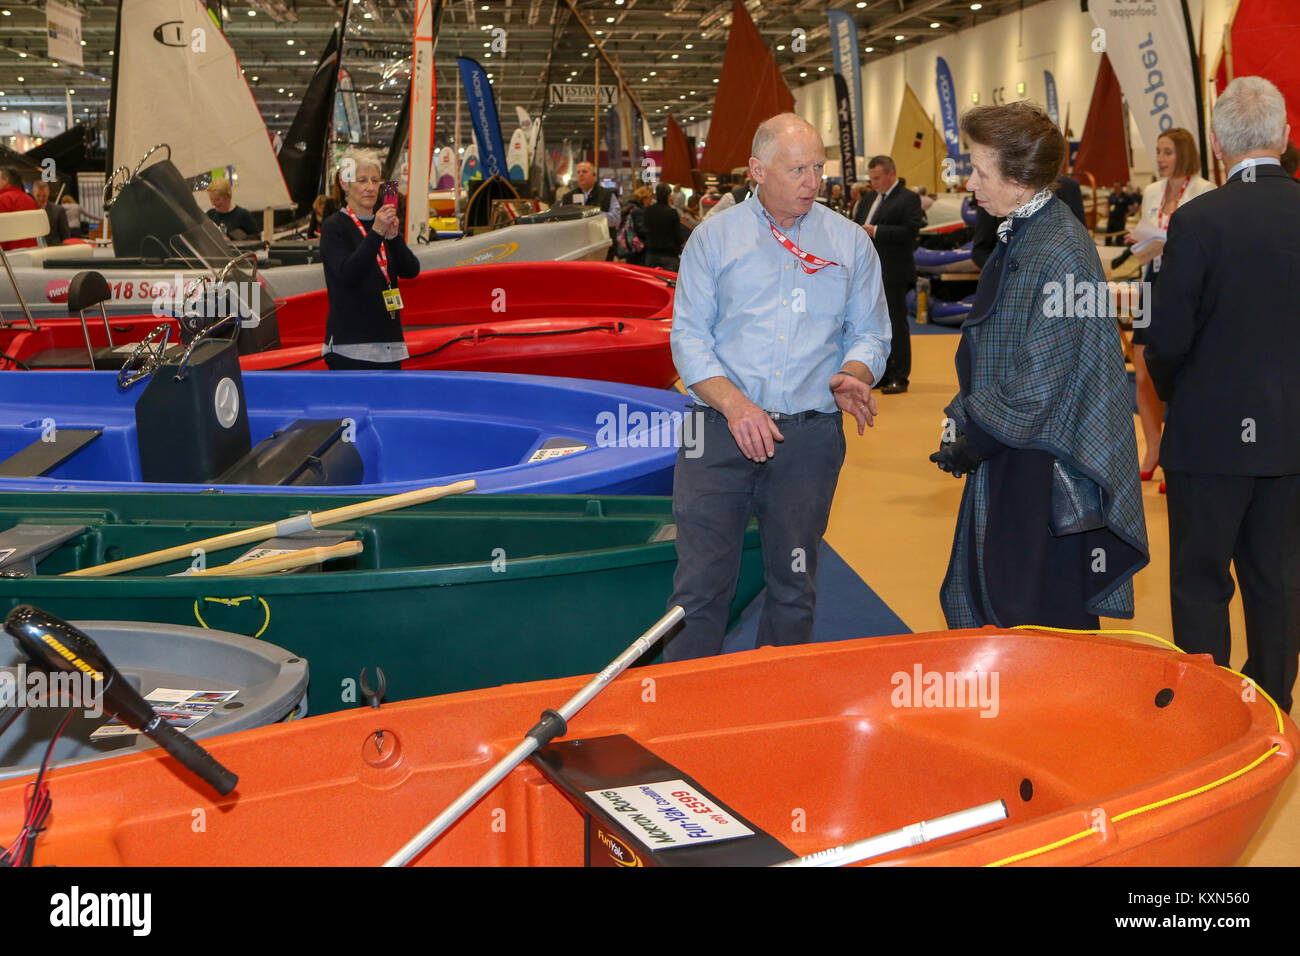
193	757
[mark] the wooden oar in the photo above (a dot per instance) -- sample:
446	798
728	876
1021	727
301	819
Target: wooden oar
281	562
284	528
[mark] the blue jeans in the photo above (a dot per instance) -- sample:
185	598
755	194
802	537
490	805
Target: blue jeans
715	495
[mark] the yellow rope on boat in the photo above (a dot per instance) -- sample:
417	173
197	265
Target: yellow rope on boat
1047	848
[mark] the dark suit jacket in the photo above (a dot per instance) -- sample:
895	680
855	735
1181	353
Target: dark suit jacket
58	224
1224	326
860	209
665	233
899	219
599	197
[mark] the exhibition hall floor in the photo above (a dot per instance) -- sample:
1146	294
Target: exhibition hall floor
893	518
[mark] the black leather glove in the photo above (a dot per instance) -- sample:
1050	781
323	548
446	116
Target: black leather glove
956	458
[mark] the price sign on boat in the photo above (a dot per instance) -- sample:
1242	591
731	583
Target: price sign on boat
669	814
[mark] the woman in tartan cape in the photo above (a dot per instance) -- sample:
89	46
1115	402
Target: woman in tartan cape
1050	529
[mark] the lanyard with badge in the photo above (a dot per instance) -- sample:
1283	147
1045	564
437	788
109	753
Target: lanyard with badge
810	263
392	297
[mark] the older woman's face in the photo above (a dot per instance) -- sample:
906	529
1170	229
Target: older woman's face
998	196
363	190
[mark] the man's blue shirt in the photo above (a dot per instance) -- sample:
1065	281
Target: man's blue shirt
745	308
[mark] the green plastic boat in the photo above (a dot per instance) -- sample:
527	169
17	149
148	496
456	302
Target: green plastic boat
461	593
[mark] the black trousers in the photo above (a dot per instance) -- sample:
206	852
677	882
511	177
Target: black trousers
1254	523
899	366
341	363
714	495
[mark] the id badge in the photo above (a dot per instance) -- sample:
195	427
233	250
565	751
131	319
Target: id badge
392	300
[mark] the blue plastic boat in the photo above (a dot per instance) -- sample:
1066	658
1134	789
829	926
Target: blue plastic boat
390	433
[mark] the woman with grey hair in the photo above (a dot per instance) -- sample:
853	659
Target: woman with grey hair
364	255
1051	528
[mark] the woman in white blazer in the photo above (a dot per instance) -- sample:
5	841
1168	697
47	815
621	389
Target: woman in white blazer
1178	163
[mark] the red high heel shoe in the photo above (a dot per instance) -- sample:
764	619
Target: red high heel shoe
1163	490
1148	475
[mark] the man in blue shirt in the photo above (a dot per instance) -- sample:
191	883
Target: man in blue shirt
779	324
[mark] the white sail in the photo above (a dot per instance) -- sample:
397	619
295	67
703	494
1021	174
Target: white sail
178	82
421	136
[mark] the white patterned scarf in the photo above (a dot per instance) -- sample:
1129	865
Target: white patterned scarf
1023	211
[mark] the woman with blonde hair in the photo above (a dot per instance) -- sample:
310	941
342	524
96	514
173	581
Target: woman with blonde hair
364	255
1178	164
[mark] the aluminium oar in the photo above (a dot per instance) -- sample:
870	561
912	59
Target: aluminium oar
273	563
912	835
552	724
276	529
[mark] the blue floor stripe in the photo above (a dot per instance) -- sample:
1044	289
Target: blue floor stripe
846	608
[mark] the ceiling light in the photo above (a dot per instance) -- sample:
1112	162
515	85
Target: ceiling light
692	93
674	56
254	79
54	64
870	49
821	69
935	26
715	79
609	19
861	4
72	92
600	33
489	44
22	54
6	13
803	73
253	13
690	46
280	90
484	7
302	52
290	42
645	79
83	42
977	6
22	79
899	36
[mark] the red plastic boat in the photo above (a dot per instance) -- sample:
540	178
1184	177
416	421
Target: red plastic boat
593	320
1104	751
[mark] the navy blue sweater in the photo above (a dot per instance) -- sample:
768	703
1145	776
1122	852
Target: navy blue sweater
356	286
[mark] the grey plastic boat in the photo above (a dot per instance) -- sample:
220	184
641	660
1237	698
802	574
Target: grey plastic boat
271	685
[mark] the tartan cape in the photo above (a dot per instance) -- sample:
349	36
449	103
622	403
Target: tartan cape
1056	383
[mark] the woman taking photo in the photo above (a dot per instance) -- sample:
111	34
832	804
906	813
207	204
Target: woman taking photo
364	255
1051	528
1178	163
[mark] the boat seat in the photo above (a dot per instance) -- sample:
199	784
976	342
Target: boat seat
43	456
87	289
24	224
308	452
24	546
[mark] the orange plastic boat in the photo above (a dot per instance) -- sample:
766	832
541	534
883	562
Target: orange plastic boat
1104	751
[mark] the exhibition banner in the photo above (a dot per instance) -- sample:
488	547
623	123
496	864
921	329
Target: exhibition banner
63	31
947	106
1149	45
483	112
845	114
1053	110
846	63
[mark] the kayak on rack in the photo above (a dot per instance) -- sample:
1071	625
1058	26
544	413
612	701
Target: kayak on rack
463	592
1101	750
197	425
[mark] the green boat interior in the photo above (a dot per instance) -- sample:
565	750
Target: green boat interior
80	537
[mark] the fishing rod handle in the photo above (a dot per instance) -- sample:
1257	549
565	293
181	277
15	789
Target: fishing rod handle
191	756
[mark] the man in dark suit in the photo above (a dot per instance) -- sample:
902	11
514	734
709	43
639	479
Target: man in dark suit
1220	352
858	205
893	220
591	193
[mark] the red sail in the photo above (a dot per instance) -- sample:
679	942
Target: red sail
677	158
1265	38
1103	151
751	90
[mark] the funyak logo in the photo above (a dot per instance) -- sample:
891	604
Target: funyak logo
77	909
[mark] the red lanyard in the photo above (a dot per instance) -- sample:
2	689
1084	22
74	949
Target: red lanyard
1161	219
382	258
807	260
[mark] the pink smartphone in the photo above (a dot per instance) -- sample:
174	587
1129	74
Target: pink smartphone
388	194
